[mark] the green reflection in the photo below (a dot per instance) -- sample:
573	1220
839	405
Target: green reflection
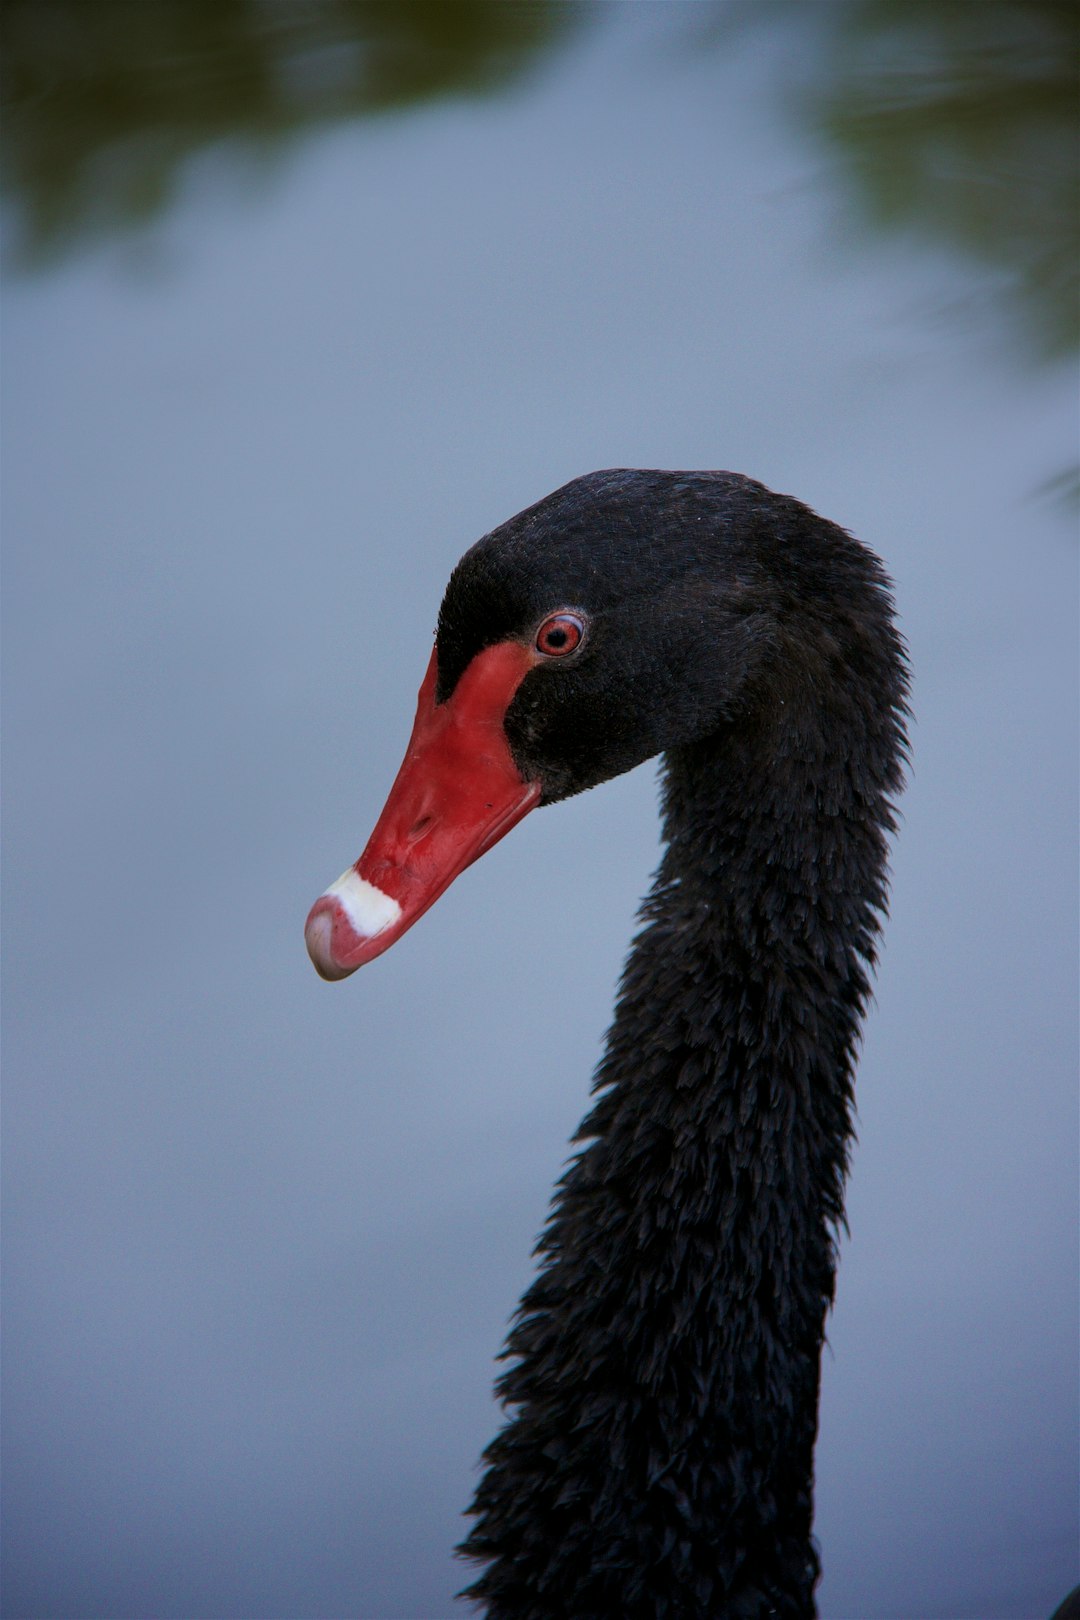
958	119
955	120
105	99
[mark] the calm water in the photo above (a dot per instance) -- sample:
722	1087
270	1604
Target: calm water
263	1235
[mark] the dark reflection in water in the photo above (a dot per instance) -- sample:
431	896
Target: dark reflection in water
954	119
105	99
959	119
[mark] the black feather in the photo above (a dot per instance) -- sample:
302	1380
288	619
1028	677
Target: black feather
663	1368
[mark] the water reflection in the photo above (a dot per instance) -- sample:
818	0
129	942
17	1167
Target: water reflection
956	121
104	102
959	122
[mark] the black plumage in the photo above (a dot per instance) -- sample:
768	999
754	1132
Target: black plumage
663	1368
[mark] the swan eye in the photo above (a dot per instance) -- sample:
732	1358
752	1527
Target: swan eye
560	633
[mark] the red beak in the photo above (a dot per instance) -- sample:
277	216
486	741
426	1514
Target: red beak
458	792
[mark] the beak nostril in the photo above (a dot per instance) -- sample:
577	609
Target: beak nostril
457	792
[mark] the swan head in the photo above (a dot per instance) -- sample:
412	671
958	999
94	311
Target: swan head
629	612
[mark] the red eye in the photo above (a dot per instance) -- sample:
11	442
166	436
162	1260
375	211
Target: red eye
560	634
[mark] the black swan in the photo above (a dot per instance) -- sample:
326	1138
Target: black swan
657	1463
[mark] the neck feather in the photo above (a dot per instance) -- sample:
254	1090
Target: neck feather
665	1362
